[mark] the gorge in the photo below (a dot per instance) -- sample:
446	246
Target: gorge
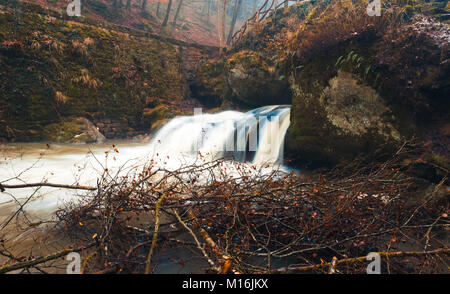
141	138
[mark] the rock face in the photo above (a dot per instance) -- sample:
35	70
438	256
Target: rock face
367	93
257	84
358	89
90	135
77	130
53	71
246	78
356	109
348	118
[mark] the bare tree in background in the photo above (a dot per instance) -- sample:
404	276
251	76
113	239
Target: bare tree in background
144	5
224	16
206	9
166	18
218	27
177	12
237	7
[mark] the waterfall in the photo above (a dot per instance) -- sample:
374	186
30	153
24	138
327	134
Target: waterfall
256	136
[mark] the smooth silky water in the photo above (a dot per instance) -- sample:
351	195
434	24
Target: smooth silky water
255	137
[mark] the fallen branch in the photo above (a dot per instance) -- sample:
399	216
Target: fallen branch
34	262
211	263
335	262
205	236
155	234
19	186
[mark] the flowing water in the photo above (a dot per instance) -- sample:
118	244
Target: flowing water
256	137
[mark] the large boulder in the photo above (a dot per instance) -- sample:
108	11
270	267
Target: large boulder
368	89
346	119
358	85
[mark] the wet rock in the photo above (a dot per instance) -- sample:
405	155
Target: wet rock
257	87
346	119
77	130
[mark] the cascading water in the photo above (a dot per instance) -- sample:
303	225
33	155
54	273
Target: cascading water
255	137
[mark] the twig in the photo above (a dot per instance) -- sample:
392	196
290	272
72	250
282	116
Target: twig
34	262
213	265
19	186
357	259
155	234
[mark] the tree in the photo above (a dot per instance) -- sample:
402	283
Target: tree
218	27
177	12
209	7
144	5
224	15
128	6
166	18
237	7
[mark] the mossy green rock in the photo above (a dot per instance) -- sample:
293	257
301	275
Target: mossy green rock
338	122
77	130
52	70
255	81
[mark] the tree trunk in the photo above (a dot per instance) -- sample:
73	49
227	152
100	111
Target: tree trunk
209	8
237	7
177	12
144	5
166	18
224	15
219	35
286	4
128	7
157	9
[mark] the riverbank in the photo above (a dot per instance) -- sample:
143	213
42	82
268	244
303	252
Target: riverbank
254	223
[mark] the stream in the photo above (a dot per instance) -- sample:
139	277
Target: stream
255	137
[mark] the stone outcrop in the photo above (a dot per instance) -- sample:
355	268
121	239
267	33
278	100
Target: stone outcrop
358	89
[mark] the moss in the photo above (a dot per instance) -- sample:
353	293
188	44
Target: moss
65	131
103	73
209	85
152	116
439	161
312	137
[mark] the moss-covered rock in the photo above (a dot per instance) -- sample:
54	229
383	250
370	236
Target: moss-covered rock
52	70
209	84
359	85
254	81
368	88
76	130
338	122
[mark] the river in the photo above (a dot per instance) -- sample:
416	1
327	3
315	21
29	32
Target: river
255	137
